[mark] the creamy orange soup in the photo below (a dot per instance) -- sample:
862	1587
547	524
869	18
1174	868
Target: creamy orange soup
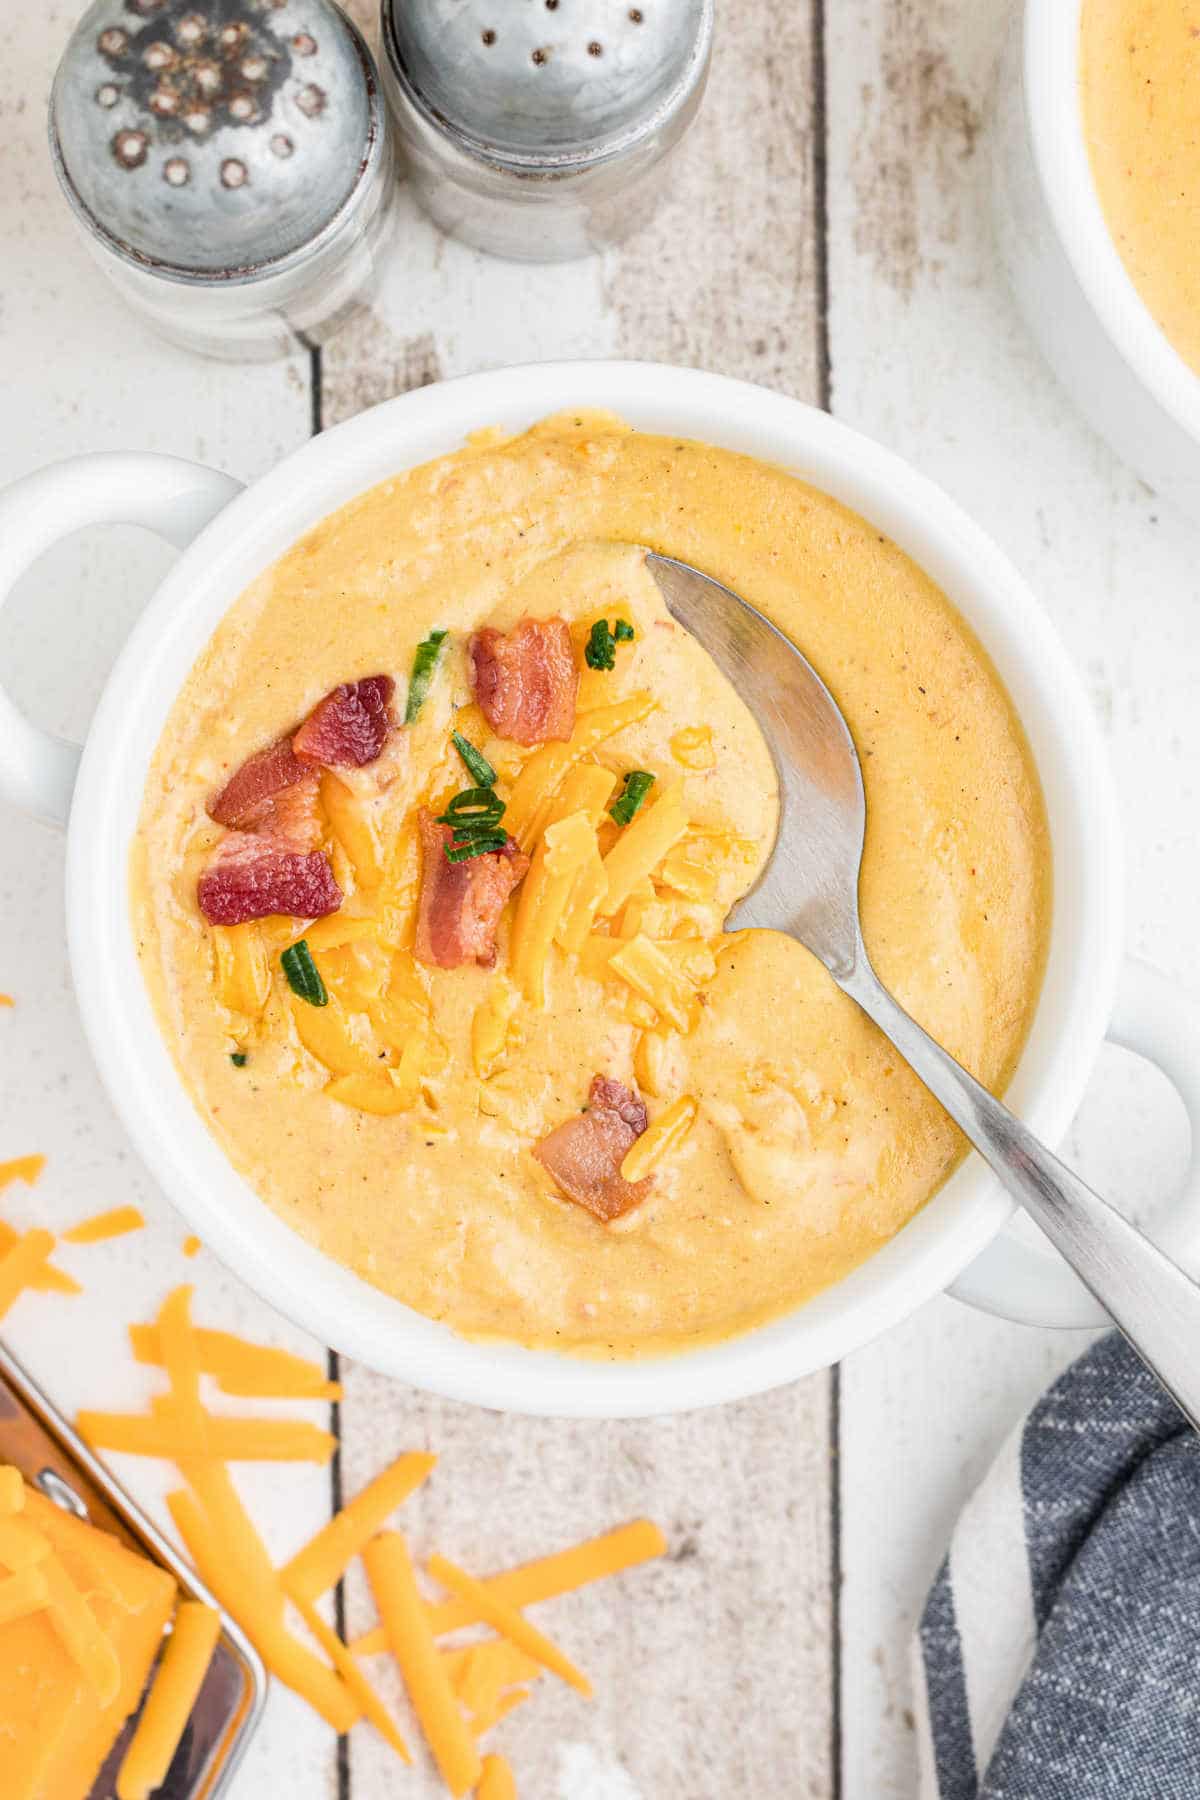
1140	91
396	1126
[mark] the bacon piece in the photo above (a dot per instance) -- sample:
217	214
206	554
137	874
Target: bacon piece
461	903
292	817
349	727
245	800
526	680
252	876
585	1154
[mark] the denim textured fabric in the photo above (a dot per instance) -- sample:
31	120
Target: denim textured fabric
1058	1655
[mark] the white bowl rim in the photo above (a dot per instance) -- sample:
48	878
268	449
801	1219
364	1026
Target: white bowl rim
1054	111
133	1058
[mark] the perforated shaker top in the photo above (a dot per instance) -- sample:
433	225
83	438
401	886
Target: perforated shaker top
545	80
208	136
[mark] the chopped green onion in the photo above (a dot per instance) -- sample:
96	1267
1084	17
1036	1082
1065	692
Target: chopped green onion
477	765
475	846
473	807
238	1059
636	786
424	663
600	651
474	819
303	975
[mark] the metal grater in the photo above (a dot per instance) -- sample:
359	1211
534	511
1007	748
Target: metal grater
52	1457
229	164
538	129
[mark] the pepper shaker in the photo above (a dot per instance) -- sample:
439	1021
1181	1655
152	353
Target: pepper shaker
229	164
539	129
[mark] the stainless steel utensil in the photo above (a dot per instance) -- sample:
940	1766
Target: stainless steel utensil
810	890
37	1440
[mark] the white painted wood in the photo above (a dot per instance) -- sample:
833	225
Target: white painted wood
929	356
78	373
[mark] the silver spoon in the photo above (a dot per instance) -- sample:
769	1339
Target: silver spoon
810	890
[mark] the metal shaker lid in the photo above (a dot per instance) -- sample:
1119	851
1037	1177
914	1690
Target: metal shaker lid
550	81
202	138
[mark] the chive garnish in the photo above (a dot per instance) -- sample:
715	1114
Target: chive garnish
636	786
424	663
303	975
600	651
475	846
238	1059
477	765
474	818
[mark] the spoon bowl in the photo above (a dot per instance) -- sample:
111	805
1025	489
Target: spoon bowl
809	890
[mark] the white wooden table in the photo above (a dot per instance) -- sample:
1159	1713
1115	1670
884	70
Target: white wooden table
829	236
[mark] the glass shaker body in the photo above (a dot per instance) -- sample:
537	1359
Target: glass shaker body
234	180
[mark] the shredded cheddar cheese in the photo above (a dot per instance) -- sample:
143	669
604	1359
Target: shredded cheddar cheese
21	1168
12	1489
185	1663
192	1246
21	1265
354	830
509	1621
234	1440
652	975
326	1557
534	790
117	1222
490	1026
47	1279
497	1782
691	879
641	847
693	747
394	1584
559	858
252	1371
243	971
660	1138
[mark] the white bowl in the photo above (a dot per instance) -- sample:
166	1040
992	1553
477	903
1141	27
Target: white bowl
1070	283
245	533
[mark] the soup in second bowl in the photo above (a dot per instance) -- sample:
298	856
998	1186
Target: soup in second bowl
1140	94
435	856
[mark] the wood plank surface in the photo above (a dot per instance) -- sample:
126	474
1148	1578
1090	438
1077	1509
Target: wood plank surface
714	1671
929	355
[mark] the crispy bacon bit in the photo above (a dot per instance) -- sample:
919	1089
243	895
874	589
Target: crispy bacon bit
349	727
252	876
526	680
461	903
292	817
245	800
585	1154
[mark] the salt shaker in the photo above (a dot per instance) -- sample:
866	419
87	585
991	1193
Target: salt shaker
538	129
230	165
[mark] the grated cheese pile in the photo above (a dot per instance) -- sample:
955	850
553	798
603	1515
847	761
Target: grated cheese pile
457	1693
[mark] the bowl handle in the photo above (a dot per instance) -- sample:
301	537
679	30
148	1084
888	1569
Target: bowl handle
167	495
1030	1283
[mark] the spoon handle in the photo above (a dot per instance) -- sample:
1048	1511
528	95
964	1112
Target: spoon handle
1148	1296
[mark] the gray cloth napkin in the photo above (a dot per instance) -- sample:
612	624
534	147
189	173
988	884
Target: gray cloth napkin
1058	1655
